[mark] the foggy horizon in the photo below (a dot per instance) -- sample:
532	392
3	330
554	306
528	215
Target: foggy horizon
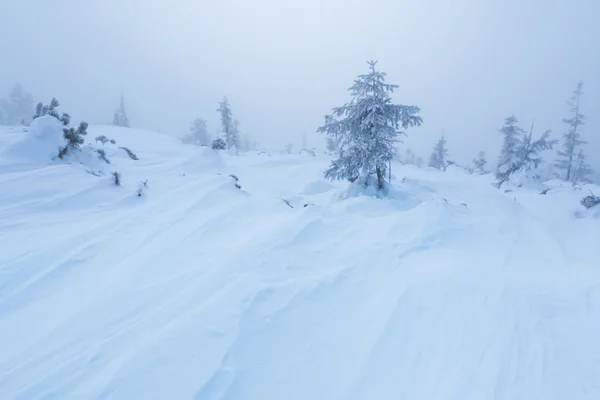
285	64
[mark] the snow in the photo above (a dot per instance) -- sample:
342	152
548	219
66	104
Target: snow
446	289
40	143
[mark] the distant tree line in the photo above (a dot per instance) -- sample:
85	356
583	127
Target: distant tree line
364	133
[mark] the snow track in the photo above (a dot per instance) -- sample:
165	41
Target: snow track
198	290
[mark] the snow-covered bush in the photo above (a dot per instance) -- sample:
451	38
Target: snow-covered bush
102	155
50	109
590	201
236	181
219	144
74	138
102	139
130	153
142	188
116	178
311	152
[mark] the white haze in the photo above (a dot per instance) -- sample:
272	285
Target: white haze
284	64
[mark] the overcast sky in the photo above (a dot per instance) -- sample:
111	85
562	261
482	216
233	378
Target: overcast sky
285	63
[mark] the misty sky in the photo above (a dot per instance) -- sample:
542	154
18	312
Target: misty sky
284	64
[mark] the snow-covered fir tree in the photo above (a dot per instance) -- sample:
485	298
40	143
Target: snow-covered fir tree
17	108
120	117
367	129
513	135
582	171
331	144
228	125
437	159
479	163
235	135
198	134
527	159
572	138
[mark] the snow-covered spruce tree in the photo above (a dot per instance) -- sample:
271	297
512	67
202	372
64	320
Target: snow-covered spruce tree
513	134
437	159
572	138
235	135
198	134
120	117
18	108
582	172
367	129
479	163
526	159
228	126
332	145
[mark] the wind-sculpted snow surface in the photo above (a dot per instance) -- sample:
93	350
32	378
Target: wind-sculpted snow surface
447	289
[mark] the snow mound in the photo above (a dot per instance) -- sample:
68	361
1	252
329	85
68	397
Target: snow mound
409	192
40	143
203	159
317	187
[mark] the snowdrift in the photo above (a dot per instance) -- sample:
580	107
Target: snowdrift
39	143
446	289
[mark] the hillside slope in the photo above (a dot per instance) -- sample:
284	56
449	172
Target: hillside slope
199	290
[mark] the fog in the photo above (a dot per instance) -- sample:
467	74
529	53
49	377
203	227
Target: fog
284	64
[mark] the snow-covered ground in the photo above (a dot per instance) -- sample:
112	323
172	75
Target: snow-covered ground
449	289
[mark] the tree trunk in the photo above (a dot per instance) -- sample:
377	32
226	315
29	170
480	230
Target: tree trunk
379	178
